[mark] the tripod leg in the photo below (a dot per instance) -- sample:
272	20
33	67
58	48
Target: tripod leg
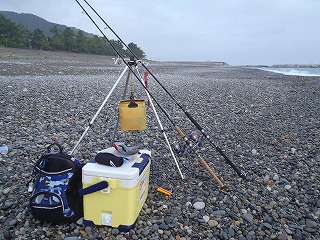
122	97
99	110
162	129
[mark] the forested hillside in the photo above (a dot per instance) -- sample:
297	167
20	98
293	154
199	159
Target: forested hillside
58	38
31	22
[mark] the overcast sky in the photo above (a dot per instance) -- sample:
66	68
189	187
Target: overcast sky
235	31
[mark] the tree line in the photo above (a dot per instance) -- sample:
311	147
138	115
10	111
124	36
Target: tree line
67	39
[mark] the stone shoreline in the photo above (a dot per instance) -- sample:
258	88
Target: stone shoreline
269	125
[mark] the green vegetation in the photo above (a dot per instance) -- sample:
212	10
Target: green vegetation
15	36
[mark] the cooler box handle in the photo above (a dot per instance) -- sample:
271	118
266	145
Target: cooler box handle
94	188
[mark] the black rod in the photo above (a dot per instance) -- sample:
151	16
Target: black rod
126	63
189	116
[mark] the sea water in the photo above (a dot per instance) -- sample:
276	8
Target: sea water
311	72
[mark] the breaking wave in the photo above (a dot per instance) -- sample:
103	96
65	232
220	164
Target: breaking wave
307	72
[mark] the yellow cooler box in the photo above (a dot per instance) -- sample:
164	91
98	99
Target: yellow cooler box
114	196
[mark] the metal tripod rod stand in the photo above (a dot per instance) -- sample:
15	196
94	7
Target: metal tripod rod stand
161	126
99	110
123	96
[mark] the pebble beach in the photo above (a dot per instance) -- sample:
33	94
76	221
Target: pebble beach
267	123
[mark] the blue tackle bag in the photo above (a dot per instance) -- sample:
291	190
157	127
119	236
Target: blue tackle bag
55	188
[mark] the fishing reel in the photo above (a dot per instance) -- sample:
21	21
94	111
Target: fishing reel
184	149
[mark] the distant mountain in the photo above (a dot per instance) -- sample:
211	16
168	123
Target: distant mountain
32	22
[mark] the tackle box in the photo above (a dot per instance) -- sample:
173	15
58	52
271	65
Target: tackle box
119	204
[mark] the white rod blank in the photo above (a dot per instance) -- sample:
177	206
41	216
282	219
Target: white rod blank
161	127
99	110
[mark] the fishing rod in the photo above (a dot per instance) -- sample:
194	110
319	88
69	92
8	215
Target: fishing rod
178	129
189	116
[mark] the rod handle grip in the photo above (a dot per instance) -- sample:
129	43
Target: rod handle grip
212	173
181	133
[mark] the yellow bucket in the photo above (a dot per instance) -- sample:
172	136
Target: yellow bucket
133	118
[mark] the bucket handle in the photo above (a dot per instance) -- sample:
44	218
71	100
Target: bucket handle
132	103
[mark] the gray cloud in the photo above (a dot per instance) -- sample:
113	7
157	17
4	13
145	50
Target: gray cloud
235	31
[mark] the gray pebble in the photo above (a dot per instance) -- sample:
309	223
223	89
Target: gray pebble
276	177
283	236
12	222
231	232
7	205
115	231
199	205
164	226
219	213
72	238
311	226
213	223
310	223
88	230
206	218
146	232
266	225
155	227
251	235
254	152
266	178
80	221
248	217
287	187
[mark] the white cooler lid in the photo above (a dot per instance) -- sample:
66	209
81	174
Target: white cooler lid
126	171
